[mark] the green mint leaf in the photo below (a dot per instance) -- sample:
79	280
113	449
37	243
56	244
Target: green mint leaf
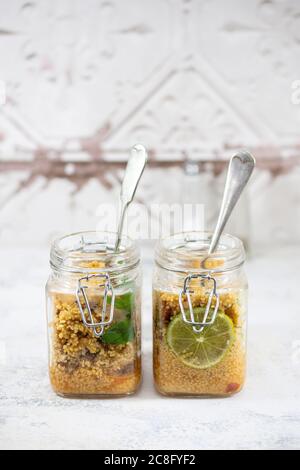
124	302
119	333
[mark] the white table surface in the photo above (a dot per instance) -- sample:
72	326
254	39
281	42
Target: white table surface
265	415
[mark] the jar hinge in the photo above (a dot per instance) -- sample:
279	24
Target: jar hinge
97	327
198	327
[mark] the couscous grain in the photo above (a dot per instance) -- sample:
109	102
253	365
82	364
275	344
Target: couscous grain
174	377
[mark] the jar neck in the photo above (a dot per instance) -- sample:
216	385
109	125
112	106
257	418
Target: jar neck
87	253
185	252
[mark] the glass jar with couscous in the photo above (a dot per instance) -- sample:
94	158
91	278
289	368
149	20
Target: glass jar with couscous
94	316
199	316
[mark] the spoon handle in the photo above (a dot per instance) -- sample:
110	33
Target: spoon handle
133	174
240	169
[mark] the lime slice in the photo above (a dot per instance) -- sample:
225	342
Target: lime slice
200	350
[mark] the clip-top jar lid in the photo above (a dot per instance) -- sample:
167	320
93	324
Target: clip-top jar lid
87	252
183	252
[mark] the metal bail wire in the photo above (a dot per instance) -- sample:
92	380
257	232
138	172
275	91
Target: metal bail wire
98	328
198	327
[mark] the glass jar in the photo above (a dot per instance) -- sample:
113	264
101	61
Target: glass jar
94	316
200	310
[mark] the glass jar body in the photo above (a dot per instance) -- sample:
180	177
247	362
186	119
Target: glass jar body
193	363
83	362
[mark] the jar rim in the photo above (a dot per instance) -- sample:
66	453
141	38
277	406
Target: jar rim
183	252
80	252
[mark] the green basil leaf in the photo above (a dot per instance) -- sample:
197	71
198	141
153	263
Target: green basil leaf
119	333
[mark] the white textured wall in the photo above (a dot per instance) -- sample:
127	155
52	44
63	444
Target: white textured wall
173	73
86	79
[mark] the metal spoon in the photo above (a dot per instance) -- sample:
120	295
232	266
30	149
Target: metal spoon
240	169
239	172
134	170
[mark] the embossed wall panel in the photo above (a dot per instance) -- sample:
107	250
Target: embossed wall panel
192	79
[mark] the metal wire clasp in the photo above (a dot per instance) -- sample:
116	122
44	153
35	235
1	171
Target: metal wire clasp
98	328
198	327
